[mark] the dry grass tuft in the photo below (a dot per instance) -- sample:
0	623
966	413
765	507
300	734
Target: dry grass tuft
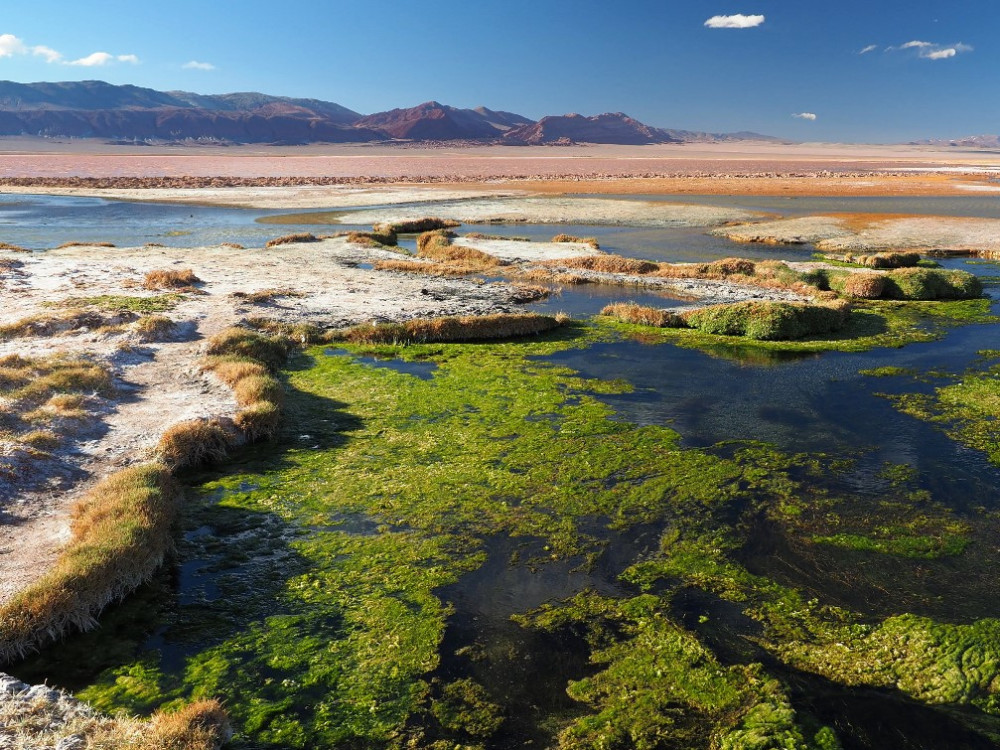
232	245
606	264
552	277
259	420
423	267
231	371
167	279
885	260
251	389
416	226
584	240
85	244
630	312
289	239
271	351
466	328
265	296
151	328
195	442
864	285
524	293
13	248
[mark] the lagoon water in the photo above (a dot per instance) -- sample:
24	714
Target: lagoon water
817	403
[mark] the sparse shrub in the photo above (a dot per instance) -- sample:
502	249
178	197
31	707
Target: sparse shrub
167	279
194	442
769	321
289	239
150	328
630	312
864	285
272	351
931	284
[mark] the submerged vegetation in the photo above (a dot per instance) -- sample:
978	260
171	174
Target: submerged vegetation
394	491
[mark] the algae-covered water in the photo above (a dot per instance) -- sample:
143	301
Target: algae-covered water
604	537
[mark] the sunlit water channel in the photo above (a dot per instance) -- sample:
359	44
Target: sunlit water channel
817	404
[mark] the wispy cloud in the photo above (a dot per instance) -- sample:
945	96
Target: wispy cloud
931	50
805	115
737	21
869	48
195	65
12	46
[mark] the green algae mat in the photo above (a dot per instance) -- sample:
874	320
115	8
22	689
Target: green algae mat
459	546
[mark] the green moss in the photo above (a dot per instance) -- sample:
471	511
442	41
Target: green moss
118	303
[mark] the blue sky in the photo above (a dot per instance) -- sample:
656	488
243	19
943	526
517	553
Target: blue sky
930	70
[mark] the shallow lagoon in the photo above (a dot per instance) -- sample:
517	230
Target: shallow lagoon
323	544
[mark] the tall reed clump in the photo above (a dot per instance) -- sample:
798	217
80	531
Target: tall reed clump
770	321
464	328
120	534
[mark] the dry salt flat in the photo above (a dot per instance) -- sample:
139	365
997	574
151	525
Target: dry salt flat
856	234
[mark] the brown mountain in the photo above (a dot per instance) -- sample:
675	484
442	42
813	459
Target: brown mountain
611	127
969	141
432	121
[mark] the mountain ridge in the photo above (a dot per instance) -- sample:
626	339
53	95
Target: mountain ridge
97	109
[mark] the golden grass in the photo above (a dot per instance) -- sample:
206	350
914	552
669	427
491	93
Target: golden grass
584	240
231	371
168	279
14	248
85	244
630	312
435	237
552	277
120	533
464	328
289	239
195	442
258	420
416	226
54	324
271	351
252	389
524	293
606	264
232	245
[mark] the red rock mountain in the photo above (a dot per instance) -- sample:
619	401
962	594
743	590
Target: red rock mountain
611	127
432	121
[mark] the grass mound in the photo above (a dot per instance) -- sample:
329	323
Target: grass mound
864	285
437	246
630	312
289	239
151	328
931	284
466	328
884	260
167	279
770	321
195	442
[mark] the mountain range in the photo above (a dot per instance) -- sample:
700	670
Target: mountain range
95	109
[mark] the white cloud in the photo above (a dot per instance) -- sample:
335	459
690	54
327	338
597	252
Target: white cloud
129	59
10	45
941	54
805	115
737	21
932	50
869	48
195	65
94	59
48	53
